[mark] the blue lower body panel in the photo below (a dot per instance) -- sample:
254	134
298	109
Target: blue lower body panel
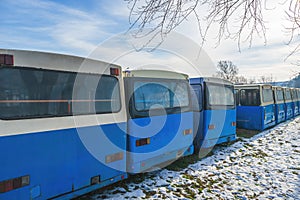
296	109
289	113
212	142
215	127
91	188
219	126
279	113
256	117
63	162
166	138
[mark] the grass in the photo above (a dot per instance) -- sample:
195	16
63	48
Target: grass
246	133
182	163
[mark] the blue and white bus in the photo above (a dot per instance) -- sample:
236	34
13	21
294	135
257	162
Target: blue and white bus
289	113
279	104
58	113
295	102
298	94
160	120
256	108
214	112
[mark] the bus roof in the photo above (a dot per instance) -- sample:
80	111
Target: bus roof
251	86
60	62
155	74
286	88
199	80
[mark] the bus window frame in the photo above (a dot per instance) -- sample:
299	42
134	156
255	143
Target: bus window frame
130	101
263	88
207	106
200	105
74	83
257	90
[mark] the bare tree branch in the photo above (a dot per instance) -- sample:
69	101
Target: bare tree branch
163	16
236	19
224	12
160	16
227	70
293	16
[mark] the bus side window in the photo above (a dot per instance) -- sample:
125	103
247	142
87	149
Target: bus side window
236	97
197	101
254	98
249	97
243	97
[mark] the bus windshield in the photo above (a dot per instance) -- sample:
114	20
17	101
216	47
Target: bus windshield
220	95
267	95
294	95
36	93
288	94
160	94
249	97
279	95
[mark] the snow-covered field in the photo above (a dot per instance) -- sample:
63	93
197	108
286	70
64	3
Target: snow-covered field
266	166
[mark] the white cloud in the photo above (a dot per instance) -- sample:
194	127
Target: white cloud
47	25
258	60
177	53
53	23
117	8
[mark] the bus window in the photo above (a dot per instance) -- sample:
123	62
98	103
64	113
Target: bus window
288	94
279	95
294	95
219	95
179	94
249	97
160	95
237	97
95	94
198	104
267	95
147	95
35	93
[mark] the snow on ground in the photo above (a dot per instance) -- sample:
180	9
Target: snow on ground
266	166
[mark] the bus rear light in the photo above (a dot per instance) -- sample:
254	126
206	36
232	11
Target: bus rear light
25	180
6	59
17	182
115	71
95	180
142	142
6	186
211	127
189	149
114	157
179	153
233	123
187	131
14	183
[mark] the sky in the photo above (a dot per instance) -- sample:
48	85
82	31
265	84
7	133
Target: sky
100	29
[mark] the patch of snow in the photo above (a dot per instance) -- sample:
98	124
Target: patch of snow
266	166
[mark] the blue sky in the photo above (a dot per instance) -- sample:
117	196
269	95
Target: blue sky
80	27
64	26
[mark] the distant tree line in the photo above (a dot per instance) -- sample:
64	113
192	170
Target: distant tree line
295	82
228	71
241	20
